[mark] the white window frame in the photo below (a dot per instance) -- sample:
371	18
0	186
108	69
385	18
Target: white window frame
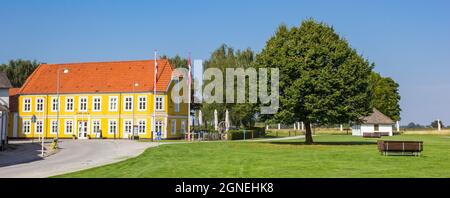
52	125
159	123
144	103
140	127
40	104
26	124
178	99
25	104
94	125
177	105
115	103
52	104
183	127
109	126
162	103
173	126
125	103
99	103
128	123
36	126
71	128
80	101
72	104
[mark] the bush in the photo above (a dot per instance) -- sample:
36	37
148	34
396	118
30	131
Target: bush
259	132
239	134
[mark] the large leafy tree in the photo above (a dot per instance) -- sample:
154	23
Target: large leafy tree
18	70
322	79
386	97
222	58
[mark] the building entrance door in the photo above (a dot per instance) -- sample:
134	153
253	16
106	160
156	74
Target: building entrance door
82	130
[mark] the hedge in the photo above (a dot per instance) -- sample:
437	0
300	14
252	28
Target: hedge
249	134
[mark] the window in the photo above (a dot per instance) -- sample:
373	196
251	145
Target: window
159	126
96	126
26	104
142	125
112	127
177	104
159	103
128	103
55	104
177	99
97	104
128	126
183	127
69	127
26	126
83	103
39	104
54	126
376	127
113	103
142	103
69	104
39	127
173	129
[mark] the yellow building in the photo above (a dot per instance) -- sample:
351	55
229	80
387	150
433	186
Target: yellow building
111	99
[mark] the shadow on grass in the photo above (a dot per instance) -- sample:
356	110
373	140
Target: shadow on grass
344	143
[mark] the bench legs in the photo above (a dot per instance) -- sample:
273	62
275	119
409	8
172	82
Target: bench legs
416	154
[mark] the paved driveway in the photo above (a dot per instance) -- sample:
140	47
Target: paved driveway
74	155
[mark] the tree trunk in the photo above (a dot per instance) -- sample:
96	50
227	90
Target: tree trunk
308	134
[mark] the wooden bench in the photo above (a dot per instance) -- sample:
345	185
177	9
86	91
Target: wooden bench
383	133
372	135
413	147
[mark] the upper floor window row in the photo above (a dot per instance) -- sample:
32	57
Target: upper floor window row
113	103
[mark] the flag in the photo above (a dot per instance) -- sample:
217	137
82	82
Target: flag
190	71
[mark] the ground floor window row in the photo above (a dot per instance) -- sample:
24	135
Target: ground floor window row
141	126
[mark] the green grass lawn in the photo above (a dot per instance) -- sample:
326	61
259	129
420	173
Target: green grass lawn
331	156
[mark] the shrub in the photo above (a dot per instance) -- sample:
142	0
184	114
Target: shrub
239	134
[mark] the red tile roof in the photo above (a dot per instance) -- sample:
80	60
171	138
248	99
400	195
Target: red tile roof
13	91
94	77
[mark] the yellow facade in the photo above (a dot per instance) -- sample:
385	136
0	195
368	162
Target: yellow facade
114	121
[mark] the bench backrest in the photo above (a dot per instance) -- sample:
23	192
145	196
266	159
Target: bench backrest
411	146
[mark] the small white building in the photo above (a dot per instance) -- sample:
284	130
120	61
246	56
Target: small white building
375	122
5	85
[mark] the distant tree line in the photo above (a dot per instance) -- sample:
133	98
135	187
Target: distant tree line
18	70
433	124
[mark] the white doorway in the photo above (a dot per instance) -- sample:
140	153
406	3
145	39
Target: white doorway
127	129
82	130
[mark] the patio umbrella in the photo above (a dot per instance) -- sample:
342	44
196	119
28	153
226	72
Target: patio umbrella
227	121
200	119
216	120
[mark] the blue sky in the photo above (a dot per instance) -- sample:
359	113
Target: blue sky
408	40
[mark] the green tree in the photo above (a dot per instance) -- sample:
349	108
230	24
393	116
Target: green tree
386	97
434	124
322	79
222	58
176	61
19	70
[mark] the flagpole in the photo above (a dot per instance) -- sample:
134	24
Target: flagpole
189	95
154	97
